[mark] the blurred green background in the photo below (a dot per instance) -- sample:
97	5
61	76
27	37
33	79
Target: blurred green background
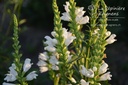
36	21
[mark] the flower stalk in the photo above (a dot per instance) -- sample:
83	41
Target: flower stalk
18	70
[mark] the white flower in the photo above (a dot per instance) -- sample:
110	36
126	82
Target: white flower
86	72
31	76
103	68
10	77
106	76
50	44
66	7
8	83
43	56
27	65
111	39
49	41
68	37
83	82
43	69
55	67
13	66
41	63
12	70
53	60
79	15
50	49
12	74
65	16
108	33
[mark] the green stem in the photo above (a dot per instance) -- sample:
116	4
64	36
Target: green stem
56	80
87	57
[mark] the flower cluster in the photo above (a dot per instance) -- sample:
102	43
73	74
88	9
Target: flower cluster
90	73
79	15
103	75
110	37
13	74
88	62
51	61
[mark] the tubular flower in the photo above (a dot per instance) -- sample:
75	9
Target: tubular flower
111	39
106	76
79	15
43	56
86	72
27	65
83	82
102	71
103	68
54	62
43	69
12	74
42	63
68	37
32	75
50	44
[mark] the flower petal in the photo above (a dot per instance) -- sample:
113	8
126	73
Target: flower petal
83	20
43	56
106	76
111	39
31	76
50	48
83	82
27	65
68	37
53	60
8	83
55	67
86	72
103	68
43	69
41	63
12	74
